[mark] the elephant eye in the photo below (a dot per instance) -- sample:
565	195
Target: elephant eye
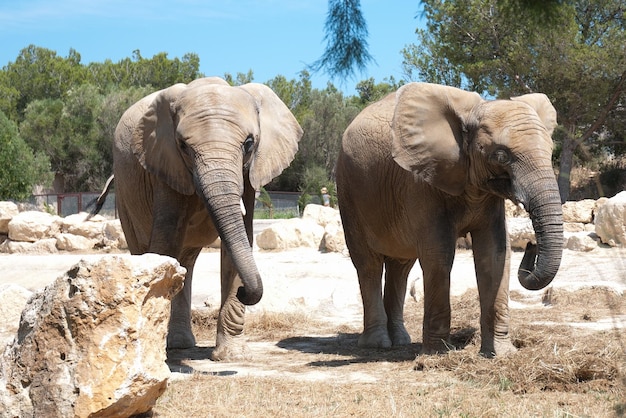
501	156
248	145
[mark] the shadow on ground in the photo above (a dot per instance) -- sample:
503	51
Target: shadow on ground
345	344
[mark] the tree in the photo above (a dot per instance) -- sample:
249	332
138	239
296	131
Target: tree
370	92
240	79
346	32
20	168
296	94
158	72
64	132
346	36
578	60
38	73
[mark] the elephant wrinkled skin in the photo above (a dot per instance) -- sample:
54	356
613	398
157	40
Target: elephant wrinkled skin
184	159
426	165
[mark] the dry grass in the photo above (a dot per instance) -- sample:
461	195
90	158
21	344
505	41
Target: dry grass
558	370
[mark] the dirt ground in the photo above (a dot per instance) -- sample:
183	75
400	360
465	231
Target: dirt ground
303	341
305	361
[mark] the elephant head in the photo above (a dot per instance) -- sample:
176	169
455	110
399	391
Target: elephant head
209	138
458	142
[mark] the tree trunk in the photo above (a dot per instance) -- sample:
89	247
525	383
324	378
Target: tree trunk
565	167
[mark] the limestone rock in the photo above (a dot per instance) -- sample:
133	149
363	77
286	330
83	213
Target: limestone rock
114	235
103	325
12	301
31	226
573	227
43	246
334	239
69	242
321	215
512	210
611	220
7	211
76	225
580	241
290	233
520	232
580	211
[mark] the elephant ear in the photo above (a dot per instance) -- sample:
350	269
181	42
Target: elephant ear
543	107
278	138
427	133
154	142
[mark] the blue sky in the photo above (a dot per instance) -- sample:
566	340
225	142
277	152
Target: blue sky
270	37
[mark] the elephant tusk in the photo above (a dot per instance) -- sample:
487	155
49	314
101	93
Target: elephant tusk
243	207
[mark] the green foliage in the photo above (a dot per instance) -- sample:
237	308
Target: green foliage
20	168
573	52
240	79
68	111
314	178
38	73
370	92
157	72
323	115
346	36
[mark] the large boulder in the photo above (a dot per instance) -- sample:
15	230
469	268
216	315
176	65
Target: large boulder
290	233
512	210
12	301
579	212
76	225
114	235
580	241
610	220
42	246
520	232
102	327
7	211
70	242
334	239
31	226
321	215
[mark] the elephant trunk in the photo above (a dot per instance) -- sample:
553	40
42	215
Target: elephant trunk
222	194
543	202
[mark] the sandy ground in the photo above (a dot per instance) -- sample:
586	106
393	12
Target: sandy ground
325	286
306	277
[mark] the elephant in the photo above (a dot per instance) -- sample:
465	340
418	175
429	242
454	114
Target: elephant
187	161
428	164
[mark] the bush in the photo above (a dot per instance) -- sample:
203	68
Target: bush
20	167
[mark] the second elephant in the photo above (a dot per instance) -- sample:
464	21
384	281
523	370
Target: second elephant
426	165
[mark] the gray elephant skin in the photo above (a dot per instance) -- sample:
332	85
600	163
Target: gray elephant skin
426	165
185	158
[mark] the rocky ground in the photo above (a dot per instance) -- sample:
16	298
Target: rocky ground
324	286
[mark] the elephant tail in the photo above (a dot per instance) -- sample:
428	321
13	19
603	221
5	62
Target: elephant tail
98	202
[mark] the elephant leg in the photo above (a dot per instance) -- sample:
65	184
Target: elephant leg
230	344
396	274
492	263
169	225
375	332
436	266
179	333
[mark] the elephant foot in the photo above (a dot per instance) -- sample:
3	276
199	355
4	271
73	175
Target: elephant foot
232	351
399	335
375	337
180	339
437	346
497	348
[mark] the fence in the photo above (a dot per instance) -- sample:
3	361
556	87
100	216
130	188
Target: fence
65	204
285	204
